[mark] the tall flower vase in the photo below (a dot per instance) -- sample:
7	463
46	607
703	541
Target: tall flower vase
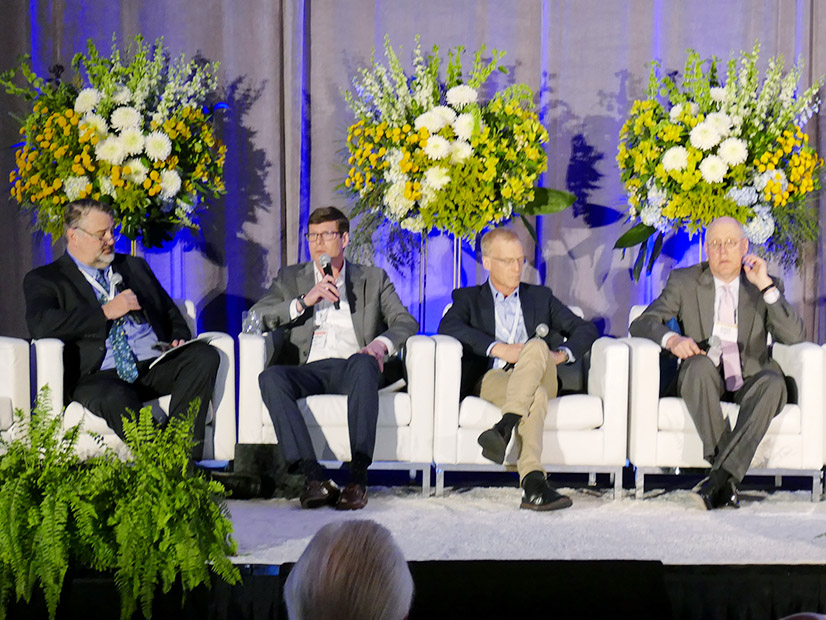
457	262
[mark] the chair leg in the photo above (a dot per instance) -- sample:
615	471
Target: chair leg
778	481
617	476
440	481
639	480
426	481
817	487
592	479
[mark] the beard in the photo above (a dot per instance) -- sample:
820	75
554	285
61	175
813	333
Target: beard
104	258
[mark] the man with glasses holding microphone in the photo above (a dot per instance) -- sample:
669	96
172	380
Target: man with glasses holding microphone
340	322
115	318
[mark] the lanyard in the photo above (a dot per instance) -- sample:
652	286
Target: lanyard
110	294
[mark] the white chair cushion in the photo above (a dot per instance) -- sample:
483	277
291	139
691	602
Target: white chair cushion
674	417
331	410
6	413
575	412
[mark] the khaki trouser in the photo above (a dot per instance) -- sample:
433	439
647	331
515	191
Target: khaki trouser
525	391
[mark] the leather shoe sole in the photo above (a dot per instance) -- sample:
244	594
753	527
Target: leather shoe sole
353	497
560	502
317	494
493	445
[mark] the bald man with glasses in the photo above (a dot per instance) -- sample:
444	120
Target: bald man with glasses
505	364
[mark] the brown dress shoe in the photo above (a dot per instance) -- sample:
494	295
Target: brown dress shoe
353	497
318	494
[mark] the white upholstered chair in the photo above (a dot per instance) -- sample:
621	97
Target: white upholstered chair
583	432
662	437
404	437
219	438
15	390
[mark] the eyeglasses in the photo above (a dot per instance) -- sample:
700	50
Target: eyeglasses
110	233
728	244
510	262
327	235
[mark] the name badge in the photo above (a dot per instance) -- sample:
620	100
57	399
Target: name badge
319	339
725	331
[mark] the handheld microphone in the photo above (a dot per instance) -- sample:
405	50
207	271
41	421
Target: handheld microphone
541	331
326	266
136	316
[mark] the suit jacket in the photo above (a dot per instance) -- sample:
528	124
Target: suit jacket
60	303
472	321
688	296
375	308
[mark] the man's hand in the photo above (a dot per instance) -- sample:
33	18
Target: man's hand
177	343
121	305
508	352
559	357
683	347
756	271
377	350
325	289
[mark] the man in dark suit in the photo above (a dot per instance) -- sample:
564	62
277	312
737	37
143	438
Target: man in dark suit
111	332
339	327
503	363
725	308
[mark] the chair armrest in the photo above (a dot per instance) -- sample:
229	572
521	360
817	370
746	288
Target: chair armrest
252	359
14	376
608	379
448	369
223	398
48	353
643	400
803	362
420	354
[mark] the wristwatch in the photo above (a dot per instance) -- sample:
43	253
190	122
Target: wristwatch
301	305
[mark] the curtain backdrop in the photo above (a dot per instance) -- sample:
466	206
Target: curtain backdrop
283	65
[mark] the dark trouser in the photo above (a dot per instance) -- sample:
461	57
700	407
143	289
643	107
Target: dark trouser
763	395
358	377
186	375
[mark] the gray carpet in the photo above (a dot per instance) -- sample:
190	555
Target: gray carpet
782	527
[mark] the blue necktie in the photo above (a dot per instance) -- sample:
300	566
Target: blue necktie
125	363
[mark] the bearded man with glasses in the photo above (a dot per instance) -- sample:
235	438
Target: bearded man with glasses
509	361
340	323
725	308
113	332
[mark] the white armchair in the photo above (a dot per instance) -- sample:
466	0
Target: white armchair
404	437
219	438
662	437
583	432
14	381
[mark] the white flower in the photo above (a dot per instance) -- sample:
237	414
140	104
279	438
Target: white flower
157	146
132	140
96	121
137	171
760	227
657	196
704	136
675	158
460	151
717	93
713	169
110	150
86	100
73	186
430	121
693	108
437	147
396	203
461	95
720	121
675	112
170	184
650	215
437	177
122	95
413	224
733	151
776	175
107	187
743	196
445	113
125	117
463	126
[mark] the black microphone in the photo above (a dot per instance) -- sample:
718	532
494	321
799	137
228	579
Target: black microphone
541	331
326	266
136	316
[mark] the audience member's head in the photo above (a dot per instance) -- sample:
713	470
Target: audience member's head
351	570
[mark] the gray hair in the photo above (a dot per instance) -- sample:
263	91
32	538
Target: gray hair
77	210
352	570
490	237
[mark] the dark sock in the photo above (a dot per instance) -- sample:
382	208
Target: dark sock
313	471
506	425
534	482
358	468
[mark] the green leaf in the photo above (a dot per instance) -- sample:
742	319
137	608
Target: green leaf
639	263
529	227
655	252
546	201
634	236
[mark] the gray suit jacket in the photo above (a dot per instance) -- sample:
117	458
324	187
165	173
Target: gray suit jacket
375	308
688	296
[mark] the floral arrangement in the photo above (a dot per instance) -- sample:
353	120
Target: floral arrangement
135	135
428	154
722	147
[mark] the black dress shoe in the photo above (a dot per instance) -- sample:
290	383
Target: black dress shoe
317	494
538	495
353	497
719	495
493	445
239	485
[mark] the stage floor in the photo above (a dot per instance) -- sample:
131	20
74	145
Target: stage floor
778	527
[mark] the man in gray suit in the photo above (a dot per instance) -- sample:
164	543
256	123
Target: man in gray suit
340	322
725	309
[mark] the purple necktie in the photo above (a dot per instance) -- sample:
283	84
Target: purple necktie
731	354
